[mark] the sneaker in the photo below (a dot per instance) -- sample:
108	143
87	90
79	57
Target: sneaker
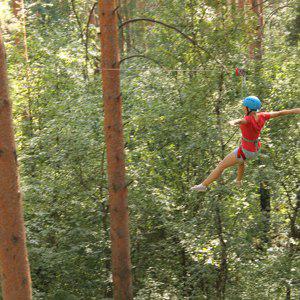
199	188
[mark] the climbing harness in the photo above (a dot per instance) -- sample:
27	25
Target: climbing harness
255	142
240	153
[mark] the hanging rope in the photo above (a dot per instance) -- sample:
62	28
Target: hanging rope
244	93
244	86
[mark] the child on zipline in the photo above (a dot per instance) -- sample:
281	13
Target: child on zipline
251	126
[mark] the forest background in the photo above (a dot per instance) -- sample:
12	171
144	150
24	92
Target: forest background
177	99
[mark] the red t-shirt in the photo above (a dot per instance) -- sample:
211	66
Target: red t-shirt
251	130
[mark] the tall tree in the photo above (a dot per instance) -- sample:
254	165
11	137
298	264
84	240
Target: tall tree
114	138
265	204
241	4
19	12
256	52
128	37
15	274
257	8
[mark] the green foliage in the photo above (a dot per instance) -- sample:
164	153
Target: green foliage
177	100
62	295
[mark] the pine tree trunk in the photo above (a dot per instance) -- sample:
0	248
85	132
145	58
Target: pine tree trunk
295	230
121	20
18	10
16	7
288	292
241	4
128	38
15	274
265	204
256	52
119	219
142	27
257	8
223	269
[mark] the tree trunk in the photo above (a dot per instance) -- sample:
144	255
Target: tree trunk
16	7
241	4
295	230
288	292
295	234
94	20
128	39
142	26
121	20
265	203
257	8
18	10
223	269
15	274
119	219
27	129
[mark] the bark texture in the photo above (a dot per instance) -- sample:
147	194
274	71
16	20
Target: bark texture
19	12
118	208
241	4
265	204
255	49
15	274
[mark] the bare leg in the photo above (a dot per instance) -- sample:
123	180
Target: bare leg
240	173
228	161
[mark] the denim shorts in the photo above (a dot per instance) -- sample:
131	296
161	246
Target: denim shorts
249	155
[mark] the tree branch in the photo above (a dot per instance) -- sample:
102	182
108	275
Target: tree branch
140	56
87	32
78	20
158	22
191	40
267	19
258	4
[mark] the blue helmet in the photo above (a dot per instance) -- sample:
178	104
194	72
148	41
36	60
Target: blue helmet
252	102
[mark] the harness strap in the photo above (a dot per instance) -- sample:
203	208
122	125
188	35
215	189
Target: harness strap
255	142
251	141
240	153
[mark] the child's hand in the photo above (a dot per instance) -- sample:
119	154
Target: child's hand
233	123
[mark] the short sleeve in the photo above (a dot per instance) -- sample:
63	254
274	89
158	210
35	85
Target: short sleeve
248	119
267	116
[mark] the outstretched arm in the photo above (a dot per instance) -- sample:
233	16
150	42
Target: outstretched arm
275	114
237	122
